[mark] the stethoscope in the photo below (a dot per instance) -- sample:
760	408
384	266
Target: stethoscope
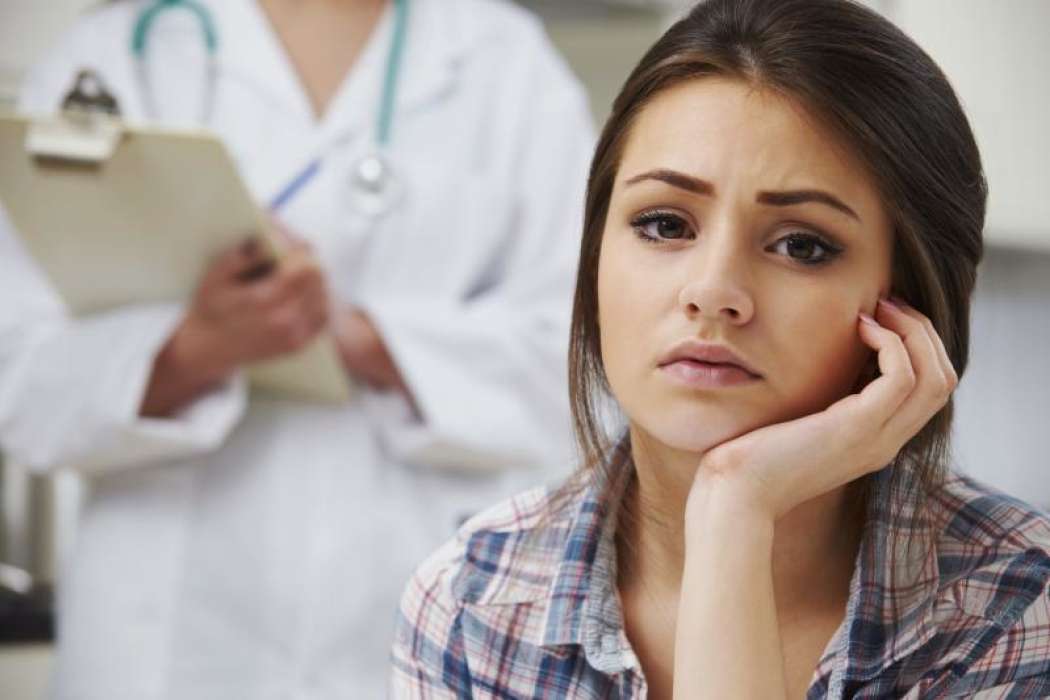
374	186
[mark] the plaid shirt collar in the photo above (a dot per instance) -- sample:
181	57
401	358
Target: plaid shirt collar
584	607
892	594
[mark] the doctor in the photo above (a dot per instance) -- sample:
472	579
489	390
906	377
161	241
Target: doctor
236	546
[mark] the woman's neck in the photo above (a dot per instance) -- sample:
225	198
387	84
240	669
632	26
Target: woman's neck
814	547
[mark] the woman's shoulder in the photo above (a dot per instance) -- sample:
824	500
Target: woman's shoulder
975	518
993	560
506	554
993	550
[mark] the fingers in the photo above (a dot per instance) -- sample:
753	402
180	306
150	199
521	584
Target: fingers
921	347
917	375
941	352
295	302
238	260
883	397
292	326
936	379
297	275
296	279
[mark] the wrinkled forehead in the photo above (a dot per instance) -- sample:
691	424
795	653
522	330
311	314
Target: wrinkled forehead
743	137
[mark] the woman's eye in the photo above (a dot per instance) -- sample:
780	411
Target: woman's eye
806	248
658	226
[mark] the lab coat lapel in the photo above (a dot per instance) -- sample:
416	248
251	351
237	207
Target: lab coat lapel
250	50
353	109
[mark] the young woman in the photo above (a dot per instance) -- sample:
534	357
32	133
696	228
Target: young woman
783	228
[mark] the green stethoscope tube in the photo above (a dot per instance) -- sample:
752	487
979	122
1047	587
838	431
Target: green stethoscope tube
385	117
146	19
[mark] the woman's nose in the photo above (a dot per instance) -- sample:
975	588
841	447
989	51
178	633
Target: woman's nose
716	287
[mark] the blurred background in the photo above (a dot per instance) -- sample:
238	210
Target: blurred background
996	56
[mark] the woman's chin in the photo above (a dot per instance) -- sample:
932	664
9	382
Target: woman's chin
697	435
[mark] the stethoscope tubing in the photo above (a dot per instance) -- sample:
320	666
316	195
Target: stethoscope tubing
384	120
210	34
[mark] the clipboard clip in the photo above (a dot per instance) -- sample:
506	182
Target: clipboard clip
86	131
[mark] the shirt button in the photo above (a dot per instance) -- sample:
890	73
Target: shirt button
610	644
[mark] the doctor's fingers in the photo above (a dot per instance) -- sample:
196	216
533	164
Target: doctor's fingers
246	259
291	326
296	281
298	273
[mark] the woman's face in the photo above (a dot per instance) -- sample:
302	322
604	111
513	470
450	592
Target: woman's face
735	221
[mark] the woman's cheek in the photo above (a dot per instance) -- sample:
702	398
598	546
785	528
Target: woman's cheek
827	358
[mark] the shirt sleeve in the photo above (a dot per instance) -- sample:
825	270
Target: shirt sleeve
488	373
428	658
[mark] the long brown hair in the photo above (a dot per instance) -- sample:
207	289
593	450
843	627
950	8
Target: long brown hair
886	99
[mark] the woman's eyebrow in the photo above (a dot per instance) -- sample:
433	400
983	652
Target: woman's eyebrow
777	199
787	199
676	179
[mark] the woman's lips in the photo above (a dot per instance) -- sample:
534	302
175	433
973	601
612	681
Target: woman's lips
706	375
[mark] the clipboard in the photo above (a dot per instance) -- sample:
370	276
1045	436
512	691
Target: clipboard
117	215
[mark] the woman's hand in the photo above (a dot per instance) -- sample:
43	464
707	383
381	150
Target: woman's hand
781	466
744	485
247	308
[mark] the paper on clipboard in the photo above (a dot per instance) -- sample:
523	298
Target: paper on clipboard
134	215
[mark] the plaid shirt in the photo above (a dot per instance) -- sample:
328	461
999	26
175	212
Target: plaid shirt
524	605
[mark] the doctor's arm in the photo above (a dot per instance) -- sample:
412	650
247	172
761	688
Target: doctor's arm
71	388
142	383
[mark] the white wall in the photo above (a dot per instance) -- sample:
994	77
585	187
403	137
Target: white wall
27	29
997	56
1002	431
603	47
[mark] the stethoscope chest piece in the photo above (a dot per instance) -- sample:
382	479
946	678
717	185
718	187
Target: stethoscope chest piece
374	188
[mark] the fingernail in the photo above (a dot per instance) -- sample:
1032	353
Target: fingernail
890	304
899	303
868	319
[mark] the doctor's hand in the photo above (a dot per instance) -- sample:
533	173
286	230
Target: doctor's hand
361	348
363	351
778	467
247	308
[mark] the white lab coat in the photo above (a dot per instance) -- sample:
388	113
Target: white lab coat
256	548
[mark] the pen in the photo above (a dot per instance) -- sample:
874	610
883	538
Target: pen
295	185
